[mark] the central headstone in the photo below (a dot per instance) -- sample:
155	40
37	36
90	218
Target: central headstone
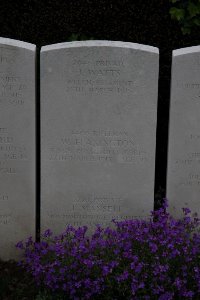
98	132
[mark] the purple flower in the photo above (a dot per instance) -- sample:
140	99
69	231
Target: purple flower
156	258
106	270
47	233
166	296
123	276
153	247
186	211
20	245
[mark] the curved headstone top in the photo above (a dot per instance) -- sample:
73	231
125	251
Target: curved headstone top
187	50
101	43
17	43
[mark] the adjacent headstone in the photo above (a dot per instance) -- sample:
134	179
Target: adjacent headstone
98	132
183	178
17	144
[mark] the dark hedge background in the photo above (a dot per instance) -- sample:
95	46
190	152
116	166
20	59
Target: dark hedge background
44	22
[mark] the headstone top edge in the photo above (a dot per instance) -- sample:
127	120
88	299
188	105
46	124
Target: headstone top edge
101	43
17	43
187	50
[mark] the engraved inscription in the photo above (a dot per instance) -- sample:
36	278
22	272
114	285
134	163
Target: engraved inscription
5	219
98	76
89	219
2	130
97	203
98	146
100	62
12	89
189	85
193	87
10	151
6	169
91	209
7	55
191	158
191	180
3	197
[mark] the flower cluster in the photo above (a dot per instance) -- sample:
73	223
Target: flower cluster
156	258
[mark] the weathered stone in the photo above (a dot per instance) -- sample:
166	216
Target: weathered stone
17	144
98	122
183	178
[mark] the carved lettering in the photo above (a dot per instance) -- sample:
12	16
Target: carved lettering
5	219
98	146
3	197
12	89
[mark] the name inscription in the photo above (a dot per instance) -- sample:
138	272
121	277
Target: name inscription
98	146
98	76
91	209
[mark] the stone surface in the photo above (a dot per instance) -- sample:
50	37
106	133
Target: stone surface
183	176
98	132
17	144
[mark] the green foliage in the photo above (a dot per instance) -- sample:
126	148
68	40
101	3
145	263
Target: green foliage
78	37
47	295
187	13
14	283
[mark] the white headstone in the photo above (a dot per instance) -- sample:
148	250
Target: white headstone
17	144
183	176
98	122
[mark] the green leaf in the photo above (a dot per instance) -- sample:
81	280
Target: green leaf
186	30
193	9
197	21
73	37
174	1
78	37
177	13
